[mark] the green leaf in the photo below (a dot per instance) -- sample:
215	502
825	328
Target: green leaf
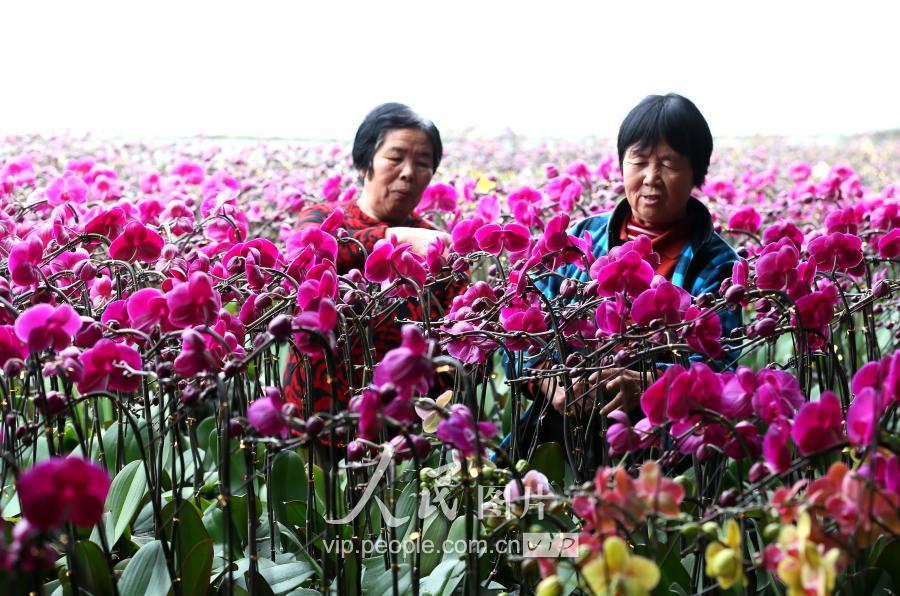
284	578
193	547
93	572
434	531
125	495
287	482
146	573
889	559
550	460
444	579
196	568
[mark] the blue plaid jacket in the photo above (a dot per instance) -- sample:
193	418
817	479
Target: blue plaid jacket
704	262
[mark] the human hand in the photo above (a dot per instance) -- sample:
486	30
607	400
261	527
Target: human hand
622	383
418	238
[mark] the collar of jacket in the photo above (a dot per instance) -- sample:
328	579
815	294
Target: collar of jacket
701	231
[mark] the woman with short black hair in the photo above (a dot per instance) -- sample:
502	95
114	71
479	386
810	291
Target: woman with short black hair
396	153
664	147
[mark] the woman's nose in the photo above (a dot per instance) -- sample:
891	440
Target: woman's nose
407	171
651	173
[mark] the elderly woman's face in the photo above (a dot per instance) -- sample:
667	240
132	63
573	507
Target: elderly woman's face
658	183
401	170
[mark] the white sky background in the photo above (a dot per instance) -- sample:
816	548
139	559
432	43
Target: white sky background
554	69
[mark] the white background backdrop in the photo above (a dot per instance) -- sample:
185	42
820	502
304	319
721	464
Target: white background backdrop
561	68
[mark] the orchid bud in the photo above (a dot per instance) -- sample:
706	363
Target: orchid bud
735	293
568	289
758	471
622	358
705	300
13	367
421	446
235	428
169	252
85	270
355	451
190	395
765	327
314	426
281	327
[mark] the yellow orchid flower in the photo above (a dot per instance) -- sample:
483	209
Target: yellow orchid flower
805	569
724	560
617	571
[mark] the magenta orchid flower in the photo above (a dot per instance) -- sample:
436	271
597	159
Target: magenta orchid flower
323	244
267	414
105	368
440	197
24	259
775	446
137	242
194	357
704	333
62	489
839	251
322	321
525	204
529	319
783	229
663	300
818	425
612	315
472	348
776	268
68	188
889	245
627	272
679	392
194	302
146	309
409	366
389	262
864	416
463	235
10	345
43	326
747	219
189	172
494	238
460	431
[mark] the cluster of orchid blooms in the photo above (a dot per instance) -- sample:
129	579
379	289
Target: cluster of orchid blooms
118	273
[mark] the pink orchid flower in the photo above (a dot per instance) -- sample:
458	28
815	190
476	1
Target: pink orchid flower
663	300
267	414
409	366
818	425
24	258
105	368
439	197
463	235
494	239
44	326
747	219
839	251
194	302
137	242
68	188
461	431
59	489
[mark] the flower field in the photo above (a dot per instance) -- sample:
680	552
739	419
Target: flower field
151	295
